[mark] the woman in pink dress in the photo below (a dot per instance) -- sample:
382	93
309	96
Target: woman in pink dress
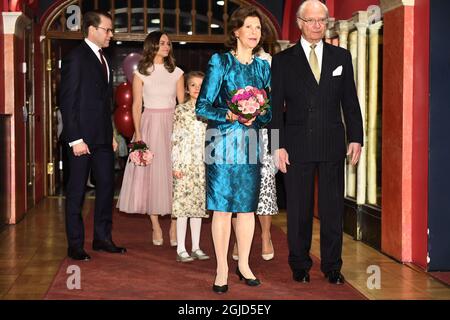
157	84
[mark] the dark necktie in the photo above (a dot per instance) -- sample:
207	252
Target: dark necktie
105	68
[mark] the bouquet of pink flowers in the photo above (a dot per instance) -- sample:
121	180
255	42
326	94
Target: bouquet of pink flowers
248	103
140	154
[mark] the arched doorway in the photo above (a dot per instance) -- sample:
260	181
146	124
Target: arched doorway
198	28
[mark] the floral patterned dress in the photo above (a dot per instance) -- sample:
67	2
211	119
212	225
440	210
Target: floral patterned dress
188	139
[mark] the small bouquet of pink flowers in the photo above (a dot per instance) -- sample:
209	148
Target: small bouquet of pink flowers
140	154
248	103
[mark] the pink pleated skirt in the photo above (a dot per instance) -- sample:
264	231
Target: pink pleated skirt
148	190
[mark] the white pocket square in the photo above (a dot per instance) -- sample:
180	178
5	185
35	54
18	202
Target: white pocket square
337	72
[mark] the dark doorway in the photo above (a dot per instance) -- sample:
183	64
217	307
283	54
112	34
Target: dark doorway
439	156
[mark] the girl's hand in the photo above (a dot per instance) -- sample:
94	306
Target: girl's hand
137	137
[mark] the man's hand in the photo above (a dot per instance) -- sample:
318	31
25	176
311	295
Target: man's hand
354	153
80	149
115	145
282	159
178	174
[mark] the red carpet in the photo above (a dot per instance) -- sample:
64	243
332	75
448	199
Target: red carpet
441	276
149	272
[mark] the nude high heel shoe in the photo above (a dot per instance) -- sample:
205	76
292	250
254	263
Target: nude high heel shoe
269	256
173	238
235	255
157	242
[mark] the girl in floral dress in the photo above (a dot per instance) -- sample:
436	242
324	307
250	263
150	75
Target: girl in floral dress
189	171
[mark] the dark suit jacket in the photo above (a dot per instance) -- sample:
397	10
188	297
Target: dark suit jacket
85	98
312	128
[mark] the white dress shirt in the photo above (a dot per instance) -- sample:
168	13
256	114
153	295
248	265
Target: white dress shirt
319	50
96	49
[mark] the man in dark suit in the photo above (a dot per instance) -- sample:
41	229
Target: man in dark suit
314	82
86	99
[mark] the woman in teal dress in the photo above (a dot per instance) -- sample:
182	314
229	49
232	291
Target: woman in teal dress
232	149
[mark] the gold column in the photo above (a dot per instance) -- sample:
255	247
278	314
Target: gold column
372	111
330	33
328	38
362	25
342	31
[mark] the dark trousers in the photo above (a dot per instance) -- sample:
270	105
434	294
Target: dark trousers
299	183
101	162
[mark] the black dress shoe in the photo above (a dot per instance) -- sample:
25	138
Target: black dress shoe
220	289
335	277
107	246
249	282
78	254
301	276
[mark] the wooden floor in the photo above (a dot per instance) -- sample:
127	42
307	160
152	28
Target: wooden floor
32	251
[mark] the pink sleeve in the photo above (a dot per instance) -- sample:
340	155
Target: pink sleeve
140	75
178	72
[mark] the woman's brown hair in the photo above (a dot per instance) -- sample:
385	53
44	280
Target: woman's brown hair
237	20
151	47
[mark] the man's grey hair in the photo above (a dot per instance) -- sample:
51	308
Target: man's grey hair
301	8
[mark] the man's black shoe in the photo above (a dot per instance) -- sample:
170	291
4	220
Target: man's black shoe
335	277
301	276
107	246
78	254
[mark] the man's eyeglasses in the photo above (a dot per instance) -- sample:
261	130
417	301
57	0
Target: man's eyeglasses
312	22
107	30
